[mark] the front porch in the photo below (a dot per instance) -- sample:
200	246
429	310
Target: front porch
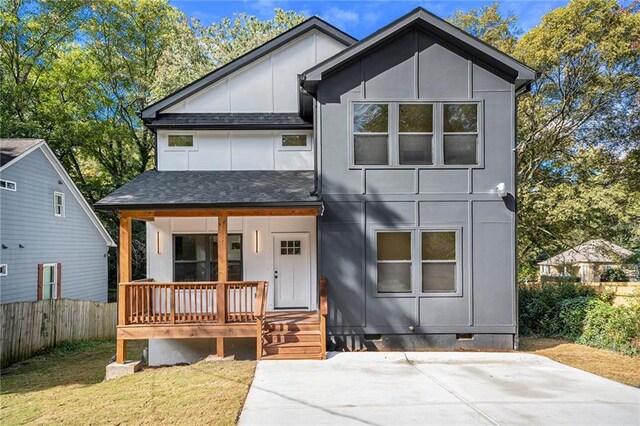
220	309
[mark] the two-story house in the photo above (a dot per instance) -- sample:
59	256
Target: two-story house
53	245
323	191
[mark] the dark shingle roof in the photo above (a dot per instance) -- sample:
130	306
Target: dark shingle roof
220	188
10	149
229	121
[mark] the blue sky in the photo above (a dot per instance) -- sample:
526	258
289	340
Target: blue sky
359	18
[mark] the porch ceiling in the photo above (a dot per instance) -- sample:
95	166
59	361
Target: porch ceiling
219	190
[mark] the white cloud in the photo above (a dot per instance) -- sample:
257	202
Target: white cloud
341	18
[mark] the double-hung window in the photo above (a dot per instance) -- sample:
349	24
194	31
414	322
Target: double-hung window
460	133
49	281
439	261
415	134
394	262
371	134
437	264
404	134
58	204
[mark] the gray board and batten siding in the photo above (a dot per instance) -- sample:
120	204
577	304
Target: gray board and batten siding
33	235
416	65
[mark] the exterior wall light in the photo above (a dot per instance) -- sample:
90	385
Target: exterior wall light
158	242
501	189
257	246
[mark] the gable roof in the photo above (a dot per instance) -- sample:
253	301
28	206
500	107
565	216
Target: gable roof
12	149
522	74
155	189
26	146
594	251
310	24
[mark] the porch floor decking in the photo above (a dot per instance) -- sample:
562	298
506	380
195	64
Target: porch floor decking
287	334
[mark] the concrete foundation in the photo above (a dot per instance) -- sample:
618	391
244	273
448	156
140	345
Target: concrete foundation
189	351
115	370
422	342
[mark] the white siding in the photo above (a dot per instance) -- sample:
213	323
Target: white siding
235	150
267	85
256	265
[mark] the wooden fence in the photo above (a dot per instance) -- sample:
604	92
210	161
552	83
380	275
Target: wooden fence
28	327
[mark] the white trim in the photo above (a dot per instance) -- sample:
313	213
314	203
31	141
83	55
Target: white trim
75	192
7	183
54	291
306	147
55	204
4	270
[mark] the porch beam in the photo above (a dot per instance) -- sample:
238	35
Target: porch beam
124	275
148	215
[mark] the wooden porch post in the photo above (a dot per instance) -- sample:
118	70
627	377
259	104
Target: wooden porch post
124	271
222	278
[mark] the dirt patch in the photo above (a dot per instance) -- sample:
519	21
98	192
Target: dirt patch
621	368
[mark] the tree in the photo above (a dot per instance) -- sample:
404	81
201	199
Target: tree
578	151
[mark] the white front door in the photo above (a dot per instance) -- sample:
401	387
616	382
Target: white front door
292	271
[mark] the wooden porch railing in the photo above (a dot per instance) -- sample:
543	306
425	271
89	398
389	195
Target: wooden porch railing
147	302
324	311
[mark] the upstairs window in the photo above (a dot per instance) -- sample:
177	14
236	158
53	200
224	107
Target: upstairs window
294	141
415	137
437	133
371	134
8	185
180	141
58	204
460	134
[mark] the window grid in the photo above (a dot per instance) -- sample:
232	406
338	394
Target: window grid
437	142
58	204
8	185
430	134
380	263
443	261
290	247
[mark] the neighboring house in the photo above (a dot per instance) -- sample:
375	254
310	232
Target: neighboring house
53	245
588	261
385	165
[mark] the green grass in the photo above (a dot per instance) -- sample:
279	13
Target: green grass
65	386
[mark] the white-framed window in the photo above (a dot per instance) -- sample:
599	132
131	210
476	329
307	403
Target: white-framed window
294	142
416	134
370	134
4	270
439	258
180	141
58	204
394	258
8	185
49	281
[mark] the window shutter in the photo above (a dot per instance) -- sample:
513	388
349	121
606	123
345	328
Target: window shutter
59	283
40	278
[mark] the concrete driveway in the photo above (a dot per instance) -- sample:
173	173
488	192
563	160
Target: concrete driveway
435	388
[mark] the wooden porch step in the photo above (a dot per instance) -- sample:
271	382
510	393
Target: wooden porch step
291	357
293	336
293	327
293	348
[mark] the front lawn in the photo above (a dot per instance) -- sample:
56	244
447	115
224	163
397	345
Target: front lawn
612	365
66	386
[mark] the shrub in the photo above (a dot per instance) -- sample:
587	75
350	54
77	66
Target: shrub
612	327
539	305
559	279
571	313
614	275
